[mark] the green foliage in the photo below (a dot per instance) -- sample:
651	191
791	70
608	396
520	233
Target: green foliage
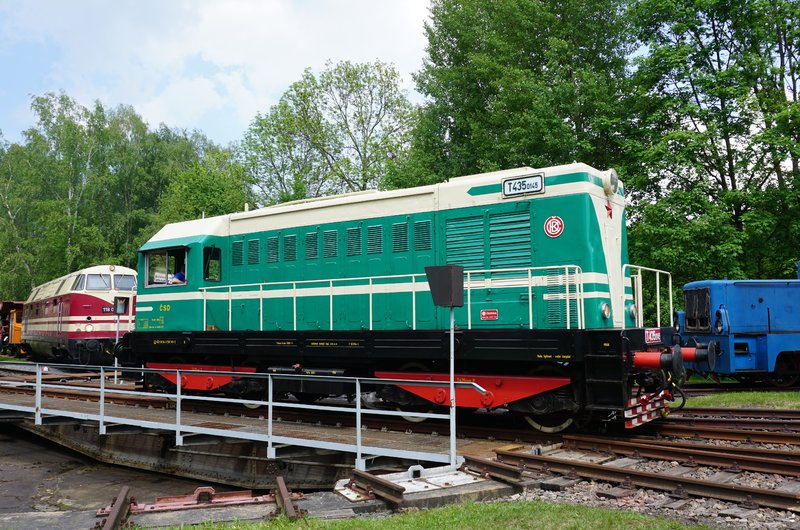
337	132
85	186
688	235
716	110
211	186
733	400
520	82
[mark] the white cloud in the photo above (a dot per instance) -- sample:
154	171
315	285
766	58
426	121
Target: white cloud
184	101
182	62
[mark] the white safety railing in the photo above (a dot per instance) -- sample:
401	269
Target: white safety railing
637	280
267	434
568	277
567	280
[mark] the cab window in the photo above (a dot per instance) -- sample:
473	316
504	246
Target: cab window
124	282
163	264
78	285
98	282
212	264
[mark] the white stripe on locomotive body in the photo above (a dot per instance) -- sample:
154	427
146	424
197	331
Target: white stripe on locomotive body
97	328
387	204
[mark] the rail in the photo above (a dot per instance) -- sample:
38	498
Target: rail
561	283
265	434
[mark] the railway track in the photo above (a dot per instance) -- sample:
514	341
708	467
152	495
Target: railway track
629	473
694	467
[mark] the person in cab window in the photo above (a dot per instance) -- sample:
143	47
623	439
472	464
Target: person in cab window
178	278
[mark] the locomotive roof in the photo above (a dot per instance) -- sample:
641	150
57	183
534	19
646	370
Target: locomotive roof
791	282
51	288
470	190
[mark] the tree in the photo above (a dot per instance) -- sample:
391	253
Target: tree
66	148
214	185
520	82
283	162
17	190
689	235
84	189
336	132
718	112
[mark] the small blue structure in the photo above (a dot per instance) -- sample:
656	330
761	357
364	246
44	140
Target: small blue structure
754	323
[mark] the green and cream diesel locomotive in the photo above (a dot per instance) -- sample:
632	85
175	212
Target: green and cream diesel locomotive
551	324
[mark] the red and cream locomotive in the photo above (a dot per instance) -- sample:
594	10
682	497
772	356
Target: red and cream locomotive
78	318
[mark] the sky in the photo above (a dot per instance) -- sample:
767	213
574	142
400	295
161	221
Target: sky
208	65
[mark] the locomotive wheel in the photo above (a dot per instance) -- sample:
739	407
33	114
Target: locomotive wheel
555	422
255	396
415	367
786	372
84	356
252	406
550	423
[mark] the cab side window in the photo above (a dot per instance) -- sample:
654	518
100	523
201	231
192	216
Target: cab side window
212	264
78	285
163	264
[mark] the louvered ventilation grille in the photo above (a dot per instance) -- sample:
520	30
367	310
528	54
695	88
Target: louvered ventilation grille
331	248
312	246
237	253
354	241
290	248
465	242
510	240
399	237
422	235
272	250
253	251
374	239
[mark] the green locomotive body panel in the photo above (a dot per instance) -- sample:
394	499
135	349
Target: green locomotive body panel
546	258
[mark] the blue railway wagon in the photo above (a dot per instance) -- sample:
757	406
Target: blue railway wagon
337	285
753	326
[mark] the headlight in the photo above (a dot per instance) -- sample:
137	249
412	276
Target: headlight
606	310
676	323
718	326
610	182
89	328
632	311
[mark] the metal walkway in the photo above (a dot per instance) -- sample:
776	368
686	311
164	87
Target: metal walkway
269	429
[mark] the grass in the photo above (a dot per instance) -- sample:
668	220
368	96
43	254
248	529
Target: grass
770	400
6	358
518	515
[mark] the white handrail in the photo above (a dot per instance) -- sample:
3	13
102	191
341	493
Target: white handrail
637	292
570	277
